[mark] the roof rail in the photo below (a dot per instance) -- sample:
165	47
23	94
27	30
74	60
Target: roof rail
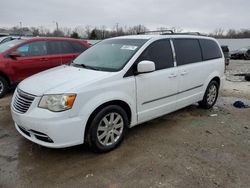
157	31
171	32
189	33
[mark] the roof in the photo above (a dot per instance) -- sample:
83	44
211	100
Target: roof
151	36
54	38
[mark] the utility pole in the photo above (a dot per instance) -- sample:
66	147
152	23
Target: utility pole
57	26
21	29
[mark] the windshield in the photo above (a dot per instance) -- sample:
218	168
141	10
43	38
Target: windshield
7	45
109	55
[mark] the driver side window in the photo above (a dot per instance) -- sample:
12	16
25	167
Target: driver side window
33	49
160	52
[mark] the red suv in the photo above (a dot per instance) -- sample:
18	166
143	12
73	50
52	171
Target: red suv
22	58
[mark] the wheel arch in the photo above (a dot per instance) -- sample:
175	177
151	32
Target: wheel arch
120	103
5	77
217	79
213	76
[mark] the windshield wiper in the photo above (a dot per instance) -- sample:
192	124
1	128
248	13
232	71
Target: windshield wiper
85	66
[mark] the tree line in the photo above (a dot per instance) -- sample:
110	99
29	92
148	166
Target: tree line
87	32
102	32
231	33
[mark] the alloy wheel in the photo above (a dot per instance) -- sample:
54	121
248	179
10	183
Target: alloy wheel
110	129
212	94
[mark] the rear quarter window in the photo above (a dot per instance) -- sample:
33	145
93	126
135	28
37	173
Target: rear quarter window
66	47
78	48
210	49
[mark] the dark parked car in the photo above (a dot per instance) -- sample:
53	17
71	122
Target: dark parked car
225	50
243	53
22	58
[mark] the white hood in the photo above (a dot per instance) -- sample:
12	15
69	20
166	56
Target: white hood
61	79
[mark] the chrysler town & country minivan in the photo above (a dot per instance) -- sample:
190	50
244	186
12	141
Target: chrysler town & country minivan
117	84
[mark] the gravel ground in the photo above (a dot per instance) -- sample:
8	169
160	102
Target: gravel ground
237	67
188	148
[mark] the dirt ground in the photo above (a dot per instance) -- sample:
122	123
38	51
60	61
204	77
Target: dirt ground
186	149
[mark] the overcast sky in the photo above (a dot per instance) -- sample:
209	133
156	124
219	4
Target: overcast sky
190	15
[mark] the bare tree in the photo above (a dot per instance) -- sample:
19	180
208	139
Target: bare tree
66	31
87	31
218	33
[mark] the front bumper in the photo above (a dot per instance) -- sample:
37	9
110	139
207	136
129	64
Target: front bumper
49	129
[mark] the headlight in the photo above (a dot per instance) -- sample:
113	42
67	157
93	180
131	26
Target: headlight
57	103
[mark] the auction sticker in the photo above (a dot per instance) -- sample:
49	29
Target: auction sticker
128	47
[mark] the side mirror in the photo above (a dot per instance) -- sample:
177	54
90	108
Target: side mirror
15	54
145	66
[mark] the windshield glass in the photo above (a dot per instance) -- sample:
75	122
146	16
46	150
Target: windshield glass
7	45
109	55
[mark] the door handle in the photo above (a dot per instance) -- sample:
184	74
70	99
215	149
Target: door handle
184	73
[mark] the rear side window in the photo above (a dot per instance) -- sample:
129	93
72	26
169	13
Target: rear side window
160	52
210	49
78	48
66	47
187	51
53	47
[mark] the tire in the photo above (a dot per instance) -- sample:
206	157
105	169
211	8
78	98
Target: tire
104	133
247	77
247	55
210	96
3	86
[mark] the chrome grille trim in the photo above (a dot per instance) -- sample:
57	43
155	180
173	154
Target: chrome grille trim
22	101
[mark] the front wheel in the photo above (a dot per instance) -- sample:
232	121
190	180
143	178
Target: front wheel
107	129
210	96
3	86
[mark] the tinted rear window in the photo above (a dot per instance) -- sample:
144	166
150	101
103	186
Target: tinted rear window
53	47
210	49
187	51
78	48
64	47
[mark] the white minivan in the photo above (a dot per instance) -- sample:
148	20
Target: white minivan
115	85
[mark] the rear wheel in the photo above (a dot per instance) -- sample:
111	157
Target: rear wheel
107	129
210	96
3	86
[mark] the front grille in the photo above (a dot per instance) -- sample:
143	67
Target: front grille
22	101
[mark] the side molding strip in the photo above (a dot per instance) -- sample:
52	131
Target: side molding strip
172	95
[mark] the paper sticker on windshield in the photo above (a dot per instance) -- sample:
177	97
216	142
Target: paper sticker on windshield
128	47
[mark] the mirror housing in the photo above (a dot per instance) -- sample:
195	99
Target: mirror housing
145	66
14	54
